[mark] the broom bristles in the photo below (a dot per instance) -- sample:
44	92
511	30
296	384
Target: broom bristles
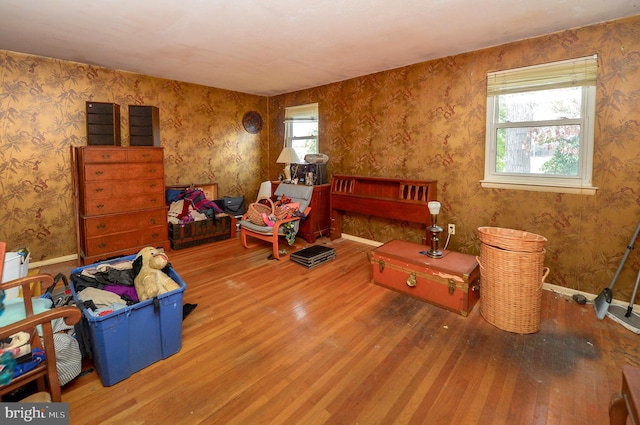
601	303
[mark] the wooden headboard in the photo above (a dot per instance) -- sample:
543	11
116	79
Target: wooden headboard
398	199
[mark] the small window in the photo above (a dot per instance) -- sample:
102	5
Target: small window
301	129
540	122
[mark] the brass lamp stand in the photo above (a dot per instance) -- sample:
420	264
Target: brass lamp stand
434	229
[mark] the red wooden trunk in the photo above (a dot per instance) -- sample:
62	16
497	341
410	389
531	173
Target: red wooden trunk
450	282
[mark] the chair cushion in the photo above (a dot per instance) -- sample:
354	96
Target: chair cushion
14	310
263	230
297	193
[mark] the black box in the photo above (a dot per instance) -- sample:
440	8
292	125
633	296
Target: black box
103	123
313	256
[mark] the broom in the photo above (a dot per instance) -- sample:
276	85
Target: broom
629	319
603	300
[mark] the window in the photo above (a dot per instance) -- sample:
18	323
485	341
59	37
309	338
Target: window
301	129
540	123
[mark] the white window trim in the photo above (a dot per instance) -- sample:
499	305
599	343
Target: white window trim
300	113
581	184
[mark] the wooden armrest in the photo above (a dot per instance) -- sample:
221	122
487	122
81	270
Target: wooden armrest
46	280
70	314
46	370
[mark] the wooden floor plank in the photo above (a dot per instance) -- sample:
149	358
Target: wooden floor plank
272	342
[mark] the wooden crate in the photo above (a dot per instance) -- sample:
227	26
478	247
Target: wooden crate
202	231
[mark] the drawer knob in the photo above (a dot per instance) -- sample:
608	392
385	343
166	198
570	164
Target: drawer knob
102	245
152	220
99	189
99	173
155	235
101	226
106	156
411	280
100	206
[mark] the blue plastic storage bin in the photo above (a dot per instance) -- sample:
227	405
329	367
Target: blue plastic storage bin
132	338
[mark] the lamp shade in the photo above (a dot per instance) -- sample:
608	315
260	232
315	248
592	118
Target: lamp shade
434	207
265	190
288	156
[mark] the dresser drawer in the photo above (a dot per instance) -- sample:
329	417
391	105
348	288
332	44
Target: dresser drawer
111	188
108	155
112	205
102	155
144	155
115	223
150	236
123	171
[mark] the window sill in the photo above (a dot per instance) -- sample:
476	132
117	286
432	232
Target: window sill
584	190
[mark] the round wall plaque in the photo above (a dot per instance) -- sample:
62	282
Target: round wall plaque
252	122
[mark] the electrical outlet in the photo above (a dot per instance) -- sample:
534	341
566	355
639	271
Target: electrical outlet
451	229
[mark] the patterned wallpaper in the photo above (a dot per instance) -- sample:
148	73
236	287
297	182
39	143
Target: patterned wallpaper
427	121
42	114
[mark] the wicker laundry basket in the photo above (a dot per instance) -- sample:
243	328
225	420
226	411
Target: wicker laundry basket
510	239
511	279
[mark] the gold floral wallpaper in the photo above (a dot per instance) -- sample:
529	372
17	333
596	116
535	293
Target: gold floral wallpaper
424	121
427	121
42	114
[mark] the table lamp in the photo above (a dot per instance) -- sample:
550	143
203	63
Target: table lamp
434	209
287	157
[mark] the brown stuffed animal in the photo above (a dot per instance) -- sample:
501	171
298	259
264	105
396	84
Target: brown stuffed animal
151	280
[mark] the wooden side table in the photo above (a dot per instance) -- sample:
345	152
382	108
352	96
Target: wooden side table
625	402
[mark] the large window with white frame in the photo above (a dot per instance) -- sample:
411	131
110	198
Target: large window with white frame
301	129
540	122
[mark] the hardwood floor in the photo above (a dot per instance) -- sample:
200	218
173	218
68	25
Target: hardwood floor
274	343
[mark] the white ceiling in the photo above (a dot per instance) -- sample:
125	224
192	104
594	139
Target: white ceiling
269	47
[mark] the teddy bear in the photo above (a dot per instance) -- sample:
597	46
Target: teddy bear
151	281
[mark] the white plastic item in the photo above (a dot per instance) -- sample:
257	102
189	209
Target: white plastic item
265	190
15	267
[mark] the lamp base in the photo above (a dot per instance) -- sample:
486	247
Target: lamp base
434	254
434	229
287	172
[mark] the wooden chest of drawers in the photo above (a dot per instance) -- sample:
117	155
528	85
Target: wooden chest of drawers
120	201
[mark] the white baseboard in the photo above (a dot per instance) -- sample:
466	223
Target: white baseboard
53	261
546	286
361	240
590	297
